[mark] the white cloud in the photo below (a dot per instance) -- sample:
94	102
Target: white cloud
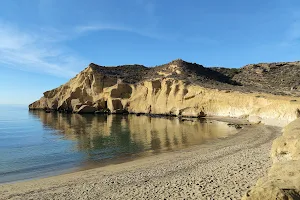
36	51
145	13
149	28
139	31
100	27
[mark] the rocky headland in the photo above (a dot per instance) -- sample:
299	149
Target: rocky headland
267	93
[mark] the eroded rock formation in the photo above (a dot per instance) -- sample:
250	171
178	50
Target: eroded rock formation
263	93
283	179
176	88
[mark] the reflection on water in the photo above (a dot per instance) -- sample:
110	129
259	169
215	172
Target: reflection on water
101	136
68	141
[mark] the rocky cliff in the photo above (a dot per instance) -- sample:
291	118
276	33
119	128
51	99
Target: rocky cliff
263	93
181	88
283	179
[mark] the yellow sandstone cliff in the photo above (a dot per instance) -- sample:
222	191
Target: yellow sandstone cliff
262	93
92	91
283	179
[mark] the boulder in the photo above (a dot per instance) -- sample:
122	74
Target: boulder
75	104
271	192
254	119
86	109
283	179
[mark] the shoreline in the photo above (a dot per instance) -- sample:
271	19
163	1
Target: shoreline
234	122
227	163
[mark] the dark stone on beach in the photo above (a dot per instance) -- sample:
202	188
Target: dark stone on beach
237	126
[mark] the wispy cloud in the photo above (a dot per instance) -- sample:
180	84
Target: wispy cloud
101	27
147	10
81	29
147	23
36	51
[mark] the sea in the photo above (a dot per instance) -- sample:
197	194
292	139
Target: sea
36	144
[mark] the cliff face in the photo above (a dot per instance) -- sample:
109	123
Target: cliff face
283	179
176	88
266	93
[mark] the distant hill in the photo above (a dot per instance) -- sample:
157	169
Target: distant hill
276	78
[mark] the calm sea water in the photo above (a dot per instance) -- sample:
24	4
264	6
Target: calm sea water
37	144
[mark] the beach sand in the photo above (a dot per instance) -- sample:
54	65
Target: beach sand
219	169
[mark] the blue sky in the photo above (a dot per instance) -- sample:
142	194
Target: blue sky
43	43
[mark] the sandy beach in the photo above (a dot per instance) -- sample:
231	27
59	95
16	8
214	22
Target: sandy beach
220	169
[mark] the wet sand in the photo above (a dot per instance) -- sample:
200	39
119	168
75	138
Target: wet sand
220	169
